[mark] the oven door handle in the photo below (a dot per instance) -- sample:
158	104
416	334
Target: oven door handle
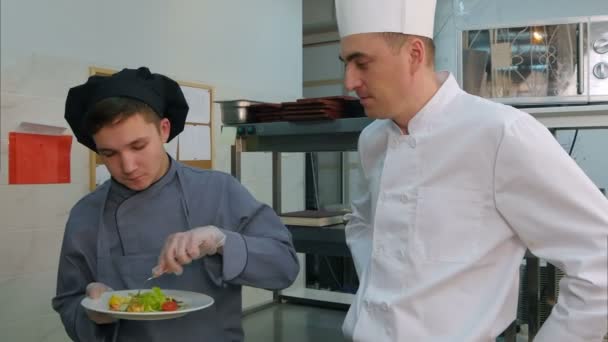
580	79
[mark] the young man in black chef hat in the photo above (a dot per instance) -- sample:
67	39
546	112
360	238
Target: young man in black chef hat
201	230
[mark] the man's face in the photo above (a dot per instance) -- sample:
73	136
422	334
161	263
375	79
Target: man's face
132	150
379	74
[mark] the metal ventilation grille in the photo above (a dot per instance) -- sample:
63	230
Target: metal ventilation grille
522	305
547	297
549	291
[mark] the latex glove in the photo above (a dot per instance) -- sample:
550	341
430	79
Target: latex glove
94	291
181	248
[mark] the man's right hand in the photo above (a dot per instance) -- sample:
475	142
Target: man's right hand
94	291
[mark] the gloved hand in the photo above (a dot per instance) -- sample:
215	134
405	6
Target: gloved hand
181	248
94	291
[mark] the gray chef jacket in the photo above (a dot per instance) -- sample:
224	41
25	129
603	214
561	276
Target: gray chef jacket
114	236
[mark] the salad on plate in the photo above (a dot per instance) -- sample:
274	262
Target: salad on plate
149	301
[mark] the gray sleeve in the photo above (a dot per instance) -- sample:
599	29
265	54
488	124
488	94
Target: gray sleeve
258	251
73	276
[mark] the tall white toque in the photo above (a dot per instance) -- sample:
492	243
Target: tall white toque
415	17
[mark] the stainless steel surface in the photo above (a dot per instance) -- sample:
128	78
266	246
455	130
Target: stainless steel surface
235	158
334	135
601	46
235	111
235	115
276	181
555	62
524	62
237	103
580	63
545	101
276	194
293	129
600	70
598	78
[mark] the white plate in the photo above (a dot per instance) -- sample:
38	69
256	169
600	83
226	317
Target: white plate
191	301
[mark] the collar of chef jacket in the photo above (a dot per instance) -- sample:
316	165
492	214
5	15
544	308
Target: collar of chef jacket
433	113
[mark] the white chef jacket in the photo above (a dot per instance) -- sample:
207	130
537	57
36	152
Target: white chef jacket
451	208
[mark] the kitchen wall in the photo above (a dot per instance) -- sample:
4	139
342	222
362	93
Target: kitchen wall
47	47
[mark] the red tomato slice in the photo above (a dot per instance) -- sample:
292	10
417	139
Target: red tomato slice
169	306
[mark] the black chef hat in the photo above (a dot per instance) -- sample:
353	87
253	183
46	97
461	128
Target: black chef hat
159	92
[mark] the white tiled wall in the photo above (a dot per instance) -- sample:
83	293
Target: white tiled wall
32	217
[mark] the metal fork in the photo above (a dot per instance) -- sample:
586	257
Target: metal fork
151	277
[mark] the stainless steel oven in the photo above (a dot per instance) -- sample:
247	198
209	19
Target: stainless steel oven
554	62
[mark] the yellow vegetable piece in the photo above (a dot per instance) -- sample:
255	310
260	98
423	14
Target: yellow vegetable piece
135	307
116	301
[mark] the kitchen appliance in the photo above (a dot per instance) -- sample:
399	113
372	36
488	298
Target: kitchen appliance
554	62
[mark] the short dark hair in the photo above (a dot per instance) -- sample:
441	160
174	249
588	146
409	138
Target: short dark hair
115	109
396	41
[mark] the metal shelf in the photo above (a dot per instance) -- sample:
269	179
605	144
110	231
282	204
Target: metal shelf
330	241
277	137
558	111
343	134
304	136
319	295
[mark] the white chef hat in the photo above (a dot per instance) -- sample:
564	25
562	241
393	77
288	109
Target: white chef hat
415	17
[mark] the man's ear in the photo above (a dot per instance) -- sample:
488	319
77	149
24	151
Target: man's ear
165	129
417	53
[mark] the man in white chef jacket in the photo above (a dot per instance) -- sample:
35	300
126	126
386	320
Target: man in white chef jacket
458	188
